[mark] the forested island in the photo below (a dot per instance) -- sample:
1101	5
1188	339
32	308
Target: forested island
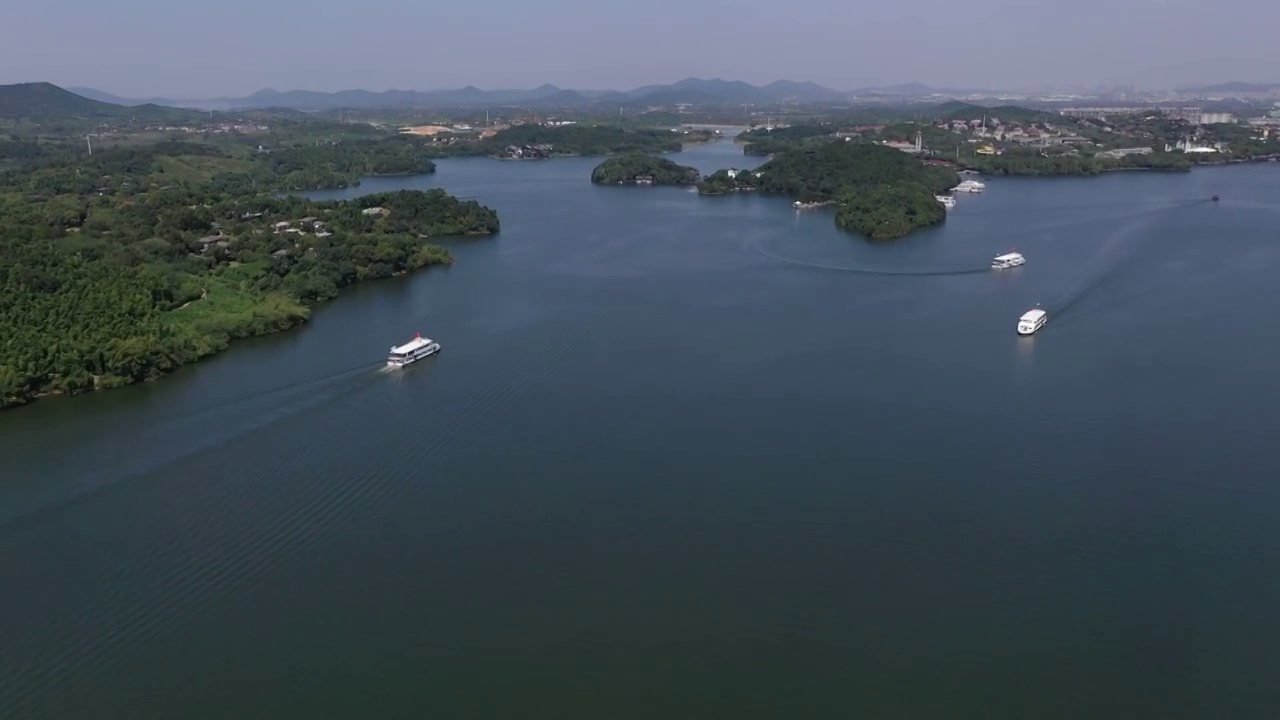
766	141
120	266
547	141
883	167
880	193
643	170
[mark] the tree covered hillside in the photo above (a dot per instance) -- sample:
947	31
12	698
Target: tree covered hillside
882	193
59	109
121	266
643	170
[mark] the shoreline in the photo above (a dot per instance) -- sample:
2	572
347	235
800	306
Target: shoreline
618	153
99	386
303	320
699	143
1262	160
294	323
1259	159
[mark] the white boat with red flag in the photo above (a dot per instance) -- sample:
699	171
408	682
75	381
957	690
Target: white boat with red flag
412	351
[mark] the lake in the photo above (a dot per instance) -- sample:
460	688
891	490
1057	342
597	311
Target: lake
692	457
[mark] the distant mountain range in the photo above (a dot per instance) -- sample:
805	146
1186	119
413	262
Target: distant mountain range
690	90
1232	87
44	98
115	100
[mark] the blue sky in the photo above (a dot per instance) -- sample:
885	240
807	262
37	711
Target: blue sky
187	49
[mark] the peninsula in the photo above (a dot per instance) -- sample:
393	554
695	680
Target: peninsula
121	265
1013	140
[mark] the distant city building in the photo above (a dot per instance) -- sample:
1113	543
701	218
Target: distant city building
1187	145
1121	152
427	130
1101	113
1189	114
916	147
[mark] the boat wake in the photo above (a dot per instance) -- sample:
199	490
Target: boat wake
1094	211
1149	209
906	272
1118	251
1082	311
181	436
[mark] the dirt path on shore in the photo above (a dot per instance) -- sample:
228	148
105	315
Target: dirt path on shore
204	293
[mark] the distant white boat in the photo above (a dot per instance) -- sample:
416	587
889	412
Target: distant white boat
809	205
1031	321
969	186
1008	260
412	351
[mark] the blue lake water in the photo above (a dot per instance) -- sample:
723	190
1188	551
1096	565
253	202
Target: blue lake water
692	457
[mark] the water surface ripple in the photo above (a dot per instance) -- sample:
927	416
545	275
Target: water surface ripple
692	457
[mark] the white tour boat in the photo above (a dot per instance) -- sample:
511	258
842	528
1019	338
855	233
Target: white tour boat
1007	260
970	186
1031	321
948	201
412	351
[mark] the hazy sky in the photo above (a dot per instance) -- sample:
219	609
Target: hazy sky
139	48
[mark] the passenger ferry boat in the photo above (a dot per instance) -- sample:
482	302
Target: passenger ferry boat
412	351
970	186
948	201
1008	260
1031	321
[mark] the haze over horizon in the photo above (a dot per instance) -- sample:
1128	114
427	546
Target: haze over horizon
145	48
